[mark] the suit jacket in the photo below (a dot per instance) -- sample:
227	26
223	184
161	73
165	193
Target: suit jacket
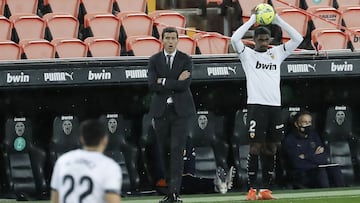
178	90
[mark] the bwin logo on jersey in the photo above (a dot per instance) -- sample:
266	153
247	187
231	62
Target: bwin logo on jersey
301	68
103	75
269	66
22	78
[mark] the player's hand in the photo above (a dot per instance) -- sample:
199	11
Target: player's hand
159	80
302	156
319	150
184	75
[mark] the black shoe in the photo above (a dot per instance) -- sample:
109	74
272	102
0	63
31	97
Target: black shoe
176	198
166	199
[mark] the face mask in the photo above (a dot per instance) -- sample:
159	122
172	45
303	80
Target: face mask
305	129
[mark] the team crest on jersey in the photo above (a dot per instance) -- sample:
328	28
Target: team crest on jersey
271	55
252	135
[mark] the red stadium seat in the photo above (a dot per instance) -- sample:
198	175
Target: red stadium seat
348	3
28	26
212	43
247	6
134	23
329	39
315	4
103	47
37	49
354	37
350	15
70	48
70	7
9	50
56	23
186	44
296	19
164	18
135	5
102	25
6	28
218	2
2	6
279	6
330	14
21	6
143	45
96	6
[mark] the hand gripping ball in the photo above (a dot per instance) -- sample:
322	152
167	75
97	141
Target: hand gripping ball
265	14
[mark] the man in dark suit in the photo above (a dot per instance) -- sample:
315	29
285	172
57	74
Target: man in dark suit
169	78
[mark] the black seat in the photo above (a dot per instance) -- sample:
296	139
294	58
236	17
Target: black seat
24	163
122	151
211	151
341	142
65	136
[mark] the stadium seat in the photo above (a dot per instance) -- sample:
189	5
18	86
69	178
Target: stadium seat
103	47
348	3
296	19
324	39
9	50
135	5
70	7
247	6
164	18
102	25
240	148
212	43
134	23
6	28
70	48
340	140
56	23
142	45
354	37
24	163
315	4
37	49
95	6
350	15
2	6
21	6
329	14
122	150
186	44
28	27
279	6
210	150
65	136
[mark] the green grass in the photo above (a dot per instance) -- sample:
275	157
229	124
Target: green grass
348	195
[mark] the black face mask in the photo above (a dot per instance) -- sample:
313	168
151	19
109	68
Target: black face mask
305	129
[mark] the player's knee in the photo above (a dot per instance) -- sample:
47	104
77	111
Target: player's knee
255	148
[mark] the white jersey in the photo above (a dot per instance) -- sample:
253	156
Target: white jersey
85	176
262	70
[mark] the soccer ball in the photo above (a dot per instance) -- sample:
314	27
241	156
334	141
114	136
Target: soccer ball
264	14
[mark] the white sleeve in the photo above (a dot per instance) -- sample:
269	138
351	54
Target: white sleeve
295	36
236	41
113	179
54	184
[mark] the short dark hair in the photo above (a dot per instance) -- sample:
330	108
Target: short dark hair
169	29
92	131
300	114
262	31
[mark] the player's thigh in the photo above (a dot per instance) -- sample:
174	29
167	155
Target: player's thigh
276	125
256	123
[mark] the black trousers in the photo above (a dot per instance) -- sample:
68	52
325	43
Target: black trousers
172	131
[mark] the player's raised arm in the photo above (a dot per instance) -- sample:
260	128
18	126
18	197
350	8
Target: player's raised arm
295	36
236	42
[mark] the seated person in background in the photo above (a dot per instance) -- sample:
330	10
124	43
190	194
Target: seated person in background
308	161
196	185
